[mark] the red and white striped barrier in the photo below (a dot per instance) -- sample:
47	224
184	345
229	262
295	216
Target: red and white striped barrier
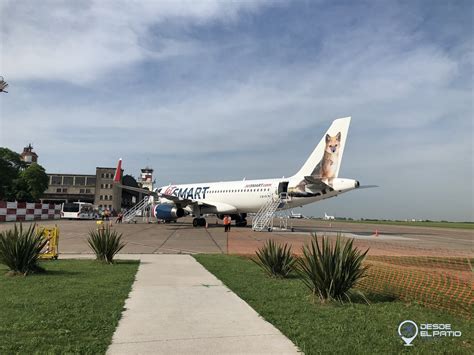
25	211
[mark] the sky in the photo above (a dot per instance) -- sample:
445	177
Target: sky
214	90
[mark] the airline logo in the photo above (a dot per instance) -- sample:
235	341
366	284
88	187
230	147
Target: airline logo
198	193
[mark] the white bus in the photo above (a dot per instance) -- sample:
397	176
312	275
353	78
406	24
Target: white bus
78	210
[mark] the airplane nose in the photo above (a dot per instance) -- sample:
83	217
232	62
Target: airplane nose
357	184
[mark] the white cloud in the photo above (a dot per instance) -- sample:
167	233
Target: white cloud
80	41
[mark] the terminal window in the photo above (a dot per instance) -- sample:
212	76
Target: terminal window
56	180
68	180
80	180
91	181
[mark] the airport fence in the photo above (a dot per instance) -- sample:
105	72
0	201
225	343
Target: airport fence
435	277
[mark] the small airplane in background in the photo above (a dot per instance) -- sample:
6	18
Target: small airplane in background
327	218
315	181
296	215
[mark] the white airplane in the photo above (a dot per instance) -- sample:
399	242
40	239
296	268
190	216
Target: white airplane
316	180
296	215
326	217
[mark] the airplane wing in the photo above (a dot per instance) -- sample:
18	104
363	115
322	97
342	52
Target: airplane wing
180	202
183	202
137	189
118	179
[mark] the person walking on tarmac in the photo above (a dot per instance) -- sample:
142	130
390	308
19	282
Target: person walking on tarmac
227	221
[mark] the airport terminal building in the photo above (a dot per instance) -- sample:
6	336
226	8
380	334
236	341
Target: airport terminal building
97	189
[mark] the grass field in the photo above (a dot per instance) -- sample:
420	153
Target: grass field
456	225
357	328
73	308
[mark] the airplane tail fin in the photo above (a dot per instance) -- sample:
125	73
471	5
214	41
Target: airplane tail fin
118	172
325	160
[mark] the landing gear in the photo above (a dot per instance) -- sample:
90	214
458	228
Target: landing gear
241	223
199	222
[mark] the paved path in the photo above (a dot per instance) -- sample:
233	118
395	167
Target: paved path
177	306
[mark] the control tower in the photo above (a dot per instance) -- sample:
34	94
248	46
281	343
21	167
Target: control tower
28	155
146	178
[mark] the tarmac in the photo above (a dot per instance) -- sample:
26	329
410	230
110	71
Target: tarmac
183	238
177	306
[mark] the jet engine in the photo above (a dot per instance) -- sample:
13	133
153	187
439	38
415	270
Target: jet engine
168	211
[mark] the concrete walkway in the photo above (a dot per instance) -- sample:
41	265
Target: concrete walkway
177	306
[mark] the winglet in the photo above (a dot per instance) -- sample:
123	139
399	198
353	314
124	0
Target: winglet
118	172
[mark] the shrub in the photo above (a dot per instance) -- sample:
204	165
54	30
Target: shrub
20	250
276	260
105	243
330	271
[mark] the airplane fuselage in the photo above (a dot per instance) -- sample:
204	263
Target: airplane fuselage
246	196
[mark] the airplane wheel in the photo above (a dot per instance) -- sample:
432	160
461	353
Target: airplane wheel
195	222
269	229
242	223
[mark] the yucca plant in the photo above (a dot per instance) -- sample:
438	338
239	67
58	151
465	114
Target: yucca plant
276	260
330	271
105	243
20	250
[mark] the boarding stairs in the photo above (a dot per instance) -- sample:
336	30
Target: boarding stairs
263	220
139	210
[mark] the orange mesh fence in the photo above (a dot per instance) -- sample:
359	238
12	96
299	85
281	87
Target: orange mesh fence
435	277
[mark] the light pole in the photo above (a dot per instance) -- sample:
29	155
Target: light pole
3	85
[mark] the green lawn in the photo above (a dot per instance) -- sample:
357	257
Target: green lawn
456	225
350	329
73	308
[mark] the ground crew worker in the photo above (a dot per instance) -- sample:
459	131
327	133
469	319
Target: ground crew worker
227	221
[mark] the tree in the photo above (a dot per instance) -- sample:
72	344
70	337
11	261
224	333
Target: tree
3	84
18	181
35	179
10	167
